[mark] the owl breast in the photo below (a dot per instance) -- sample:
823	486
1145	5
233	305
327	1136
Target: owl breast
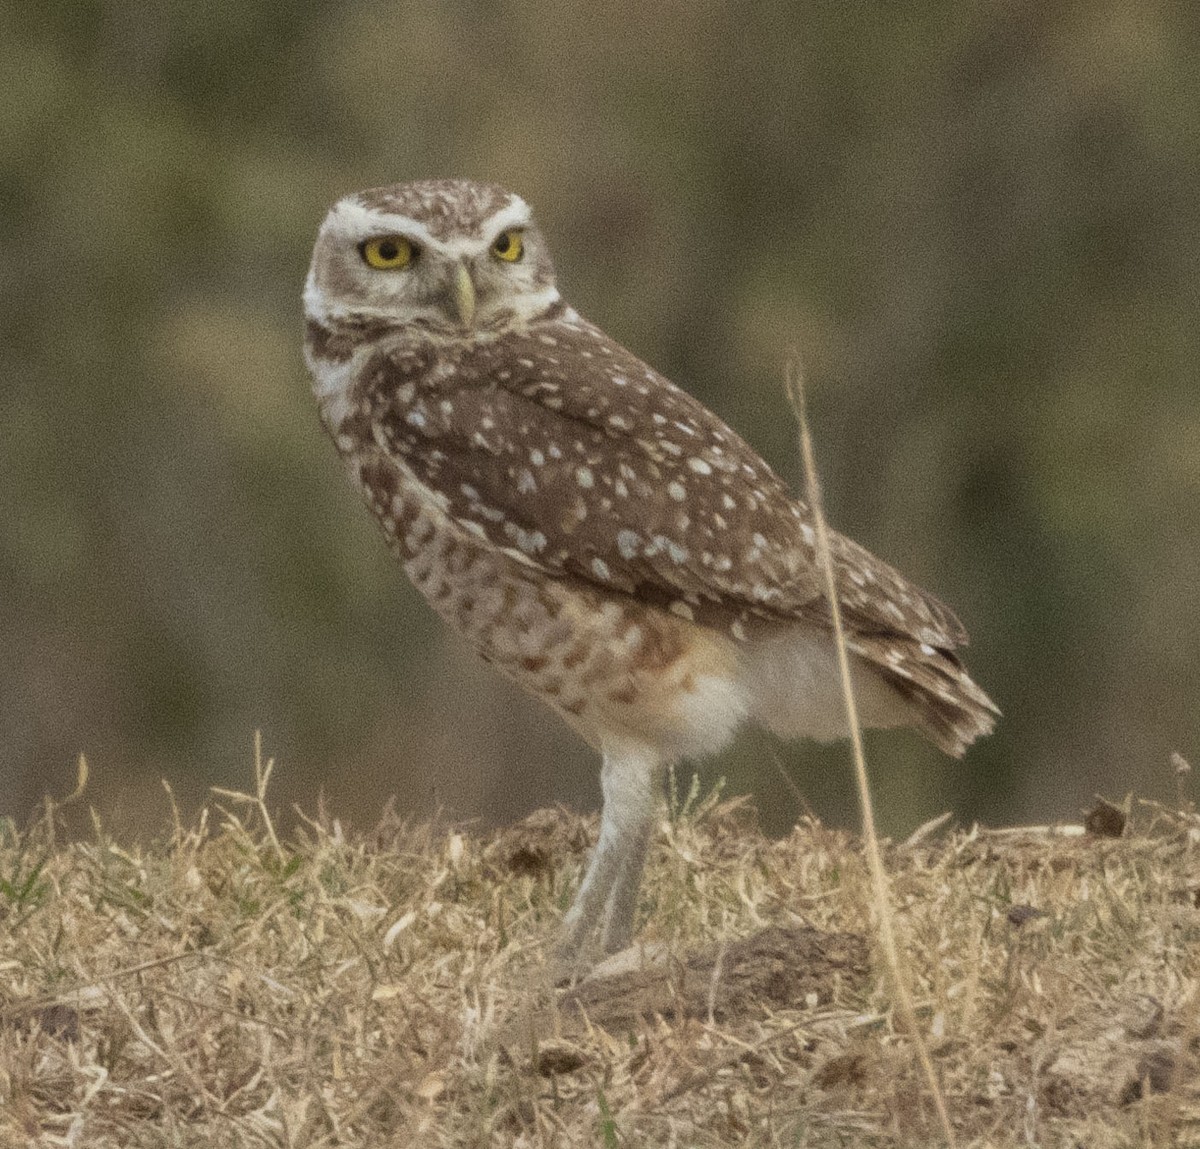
616	670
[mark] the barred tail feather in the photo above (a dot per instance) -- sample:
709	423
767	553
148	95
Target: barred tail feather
951	708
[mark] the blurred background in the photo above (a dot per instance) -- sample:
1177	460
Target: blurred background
980	222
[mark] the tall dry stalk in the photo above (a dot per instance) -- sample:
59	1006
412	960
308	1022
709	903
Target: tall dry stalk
879	883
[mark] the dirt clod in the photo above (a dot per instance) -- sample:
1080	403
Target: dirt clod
778	968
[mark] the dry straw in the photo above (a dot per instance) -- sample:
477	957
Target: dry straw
879	882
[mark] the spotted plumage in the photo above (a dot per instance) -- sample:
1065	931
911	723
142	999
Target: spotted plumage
592	529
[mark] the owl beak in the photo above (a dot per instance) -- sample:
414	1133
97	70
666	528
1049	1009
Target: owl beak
464	296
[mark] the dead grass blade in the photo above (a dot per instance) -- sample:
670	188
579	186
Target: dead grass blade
883	906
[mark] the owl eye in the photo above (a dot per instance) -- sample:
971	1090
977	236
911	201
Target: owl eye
387	252
509	245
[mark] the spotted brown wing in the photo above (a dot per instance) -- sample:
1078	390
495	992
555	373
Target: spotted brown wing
564	449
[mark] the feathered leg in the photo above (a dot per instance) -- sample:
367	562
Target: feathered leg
608	895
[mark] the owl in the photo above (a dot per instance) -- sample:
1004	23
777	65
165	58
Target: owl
592	530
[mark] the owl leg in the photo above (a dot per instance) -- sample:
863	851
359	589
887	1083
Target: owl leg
608	895
617	931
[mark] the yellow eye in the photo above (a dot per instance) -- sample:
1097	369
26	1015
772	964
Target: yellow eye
388	252
509	245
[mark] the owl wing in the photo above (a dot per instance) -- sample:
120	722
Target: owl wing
578	459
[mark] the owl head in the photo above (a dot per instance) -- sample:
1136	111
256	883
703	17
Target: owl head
451	258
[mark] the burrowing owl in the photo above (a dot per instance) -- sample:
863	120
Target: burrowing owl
594	531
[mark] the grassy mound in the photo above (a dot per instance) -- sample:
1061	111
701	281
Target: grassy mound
221	987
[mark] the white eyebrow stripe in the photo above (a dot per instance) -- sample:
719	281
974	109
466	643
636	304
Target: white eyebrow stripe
364	222
515	214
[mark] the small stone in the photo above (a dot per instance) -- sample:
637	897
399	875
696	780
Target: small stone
1104	820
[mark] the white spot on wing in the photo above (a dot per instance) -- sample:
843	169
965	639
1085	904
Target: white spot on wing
531	542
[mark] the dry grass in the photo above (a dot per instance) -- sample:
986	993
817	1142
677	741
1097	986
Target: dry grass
223	987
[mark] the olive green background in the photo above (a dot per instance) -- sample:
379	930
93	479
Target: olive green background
979	222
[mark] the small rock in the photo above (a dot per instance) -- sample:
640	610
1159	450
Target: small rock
1156	1068
1104	820
1019	915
